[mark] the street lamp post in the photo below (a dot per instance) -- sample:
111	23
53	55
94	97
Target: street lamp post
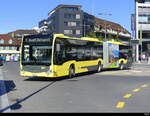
106	14
141	36
84	28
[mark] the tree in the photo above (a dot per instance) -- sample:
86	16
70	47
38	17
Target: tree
110	37
91	34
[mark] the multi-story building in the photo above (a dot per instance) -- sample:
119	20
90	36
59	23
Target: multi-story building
43	26
111	31
65	19
71	20
142	27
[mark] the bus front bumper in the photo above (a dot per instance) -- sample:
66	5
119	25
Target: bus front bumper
42	74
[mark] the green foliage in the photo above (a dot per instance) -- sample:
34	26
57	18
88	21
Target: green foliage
110	37
91	34
117	38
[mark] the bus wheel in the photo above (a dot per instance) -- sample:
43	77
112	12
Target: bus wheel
71	71
121	67
99	68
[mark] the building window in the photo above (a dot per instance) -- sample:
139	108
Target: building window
70	9
78	16
10	47
72	24
78	23
144	19
66	23
7	48
78	32
68	32
10	41
74	32
3	48
69	16
1	41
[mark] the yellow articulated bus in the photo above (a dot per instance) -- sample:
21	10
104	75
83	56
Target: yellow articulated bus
116	55
58	55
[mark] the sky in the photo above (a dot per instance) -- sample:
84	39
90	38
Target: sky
25	14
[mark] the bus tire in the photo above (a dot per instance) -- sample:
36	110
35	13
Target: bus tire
71	71
99	67
121	67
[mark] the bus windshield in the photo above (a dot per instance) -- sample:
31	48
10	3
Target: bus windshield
37	51
125	51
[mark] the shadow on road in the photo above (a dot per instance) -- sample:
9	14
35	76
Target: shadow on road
6	86
114	69
35	79
18	105
38	79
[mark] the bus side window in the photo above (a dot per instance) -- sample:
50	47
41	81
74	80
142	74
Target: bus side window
57	47
80	53
58	54
71	53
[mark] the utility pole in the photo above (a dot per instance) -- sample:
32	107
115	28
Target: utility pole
84	28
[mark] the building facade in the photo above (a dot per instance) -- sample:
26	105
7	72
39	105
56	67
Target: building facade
142	27
71	20
111	31
18	34
9	48
65	19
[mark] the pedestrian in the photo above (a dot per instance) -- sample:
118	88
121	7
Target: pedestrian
149	60
143	57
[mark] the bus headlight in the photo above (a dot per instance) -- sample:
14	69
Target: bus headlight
49	71
22	70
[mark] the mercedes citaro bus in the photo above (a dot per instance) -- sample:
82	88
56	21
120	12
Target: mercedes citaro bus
58	55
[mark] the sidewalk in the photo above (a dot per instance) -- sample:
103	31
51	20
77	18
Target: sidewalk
3	95
142	62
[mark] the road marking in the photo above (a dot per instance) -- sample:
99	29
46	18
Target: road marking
115	73
136	90
144	86
136	71
127	96
120	105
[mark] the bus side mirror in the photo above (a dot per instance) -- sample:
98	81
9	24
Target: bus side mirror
58	47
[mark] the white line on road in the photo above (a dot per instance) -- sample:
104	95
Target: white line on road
3	98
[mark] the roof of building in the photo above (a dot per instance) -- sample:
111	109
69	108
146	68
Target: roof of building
140	1
23	32
62	6
6	38
111	25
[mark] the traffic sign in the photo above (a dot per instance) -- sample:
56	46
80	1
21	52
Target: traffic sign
135	42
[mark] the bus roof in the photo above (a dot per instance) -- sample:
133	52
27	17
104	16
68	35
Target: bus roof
83	38
114	42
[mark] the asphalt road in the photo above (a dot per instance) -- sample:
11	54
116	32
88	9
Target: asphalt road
108	91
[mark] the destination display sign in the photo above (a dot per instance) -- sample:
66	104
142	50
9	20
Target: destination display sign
37	40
